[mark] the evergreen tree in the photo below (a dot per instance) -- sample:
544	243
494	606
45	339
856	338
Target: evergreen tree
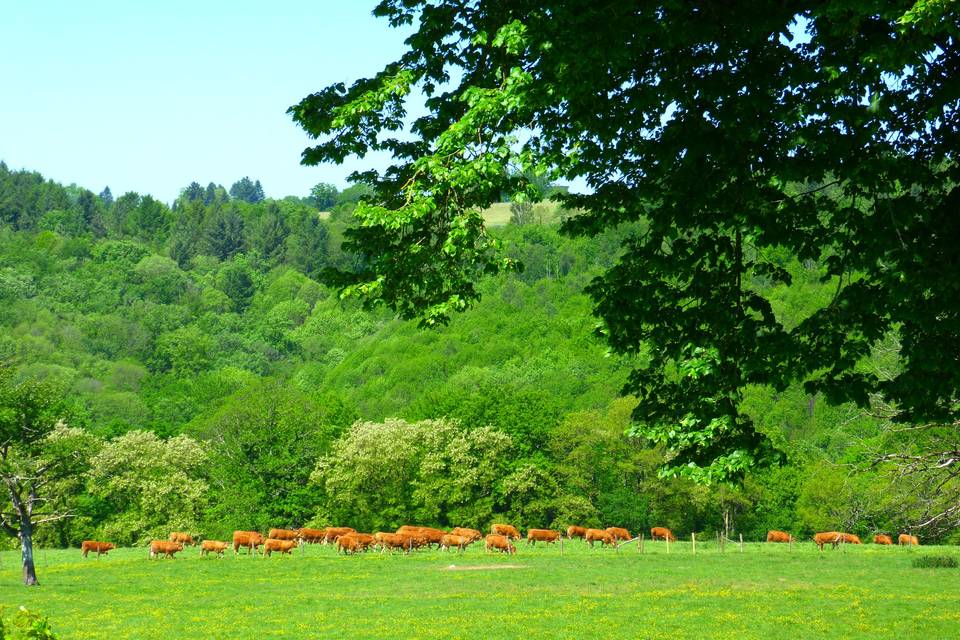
269	234
223	234
244	189
106	197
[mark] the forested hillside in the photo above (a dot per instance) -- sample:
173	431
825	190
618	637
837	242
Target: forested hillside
223	386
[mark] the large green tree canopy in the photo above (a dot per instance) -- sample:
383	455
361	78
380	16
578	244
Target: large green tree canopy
735	136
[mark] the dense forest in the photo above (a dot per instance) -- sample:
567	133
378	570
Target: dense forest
221	385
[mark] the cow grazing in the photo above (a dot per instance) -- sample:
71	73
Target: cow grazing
499	542
661	533
391	541
779	536
834	538
542	535
182	538
332	533
505	530
619	533
849	538
213	546
348	544
92	545
282	546
908	540
450	540
311	536
249	539
165	547
601	536
472	534
882	539
574	531
284	534
827	537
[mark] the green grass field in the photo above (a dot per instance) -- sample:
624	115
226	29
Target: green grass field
764	592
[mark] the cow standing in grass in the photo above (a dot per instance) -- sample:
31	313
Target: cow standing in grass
881	538
164	548
93	545
619	533
601	536
507	530
213	546
182	538
501	543
542	535
908	540
779	536
471	534
249	539
662	533
575	531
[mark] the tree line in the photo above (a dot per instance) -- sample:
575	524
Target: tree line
232	391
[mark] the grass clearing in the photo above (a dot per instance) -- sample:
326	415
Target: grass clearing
858	592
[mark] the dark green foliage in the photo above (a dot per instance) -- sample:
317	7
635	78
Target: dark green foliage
825	131
264	442
934	562
323	196
247	191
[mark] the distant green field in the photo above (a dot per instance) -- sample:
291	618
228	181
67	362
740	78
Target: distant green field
765	592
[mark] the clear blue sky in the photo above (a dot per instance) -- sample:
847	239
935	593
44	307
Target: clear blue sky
148	96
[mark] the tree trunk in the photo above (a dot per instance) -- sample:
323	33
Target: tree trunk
26	548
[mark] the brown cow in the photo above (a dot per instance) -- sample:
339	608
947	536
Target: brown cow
574	531
92	545
601	536
834	538
619	533
451	540
249	539
472	534
882	539
432	536
283	546
182	538
542	535
215	546
393	541
831	537
505	530
907	539
166	547
500	543
348	544
284	534
779	536
849	538
311	536
332	533
365	540
661	533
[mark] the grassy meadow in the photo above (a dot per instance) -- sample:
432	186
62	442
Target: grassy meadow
764	592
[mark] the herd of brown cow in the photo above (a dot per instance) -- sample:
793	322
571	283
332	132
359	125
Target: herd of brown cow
407	538
835	538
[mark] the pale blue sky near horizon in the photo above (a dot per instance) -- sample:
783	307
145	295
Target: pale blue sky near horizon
148	97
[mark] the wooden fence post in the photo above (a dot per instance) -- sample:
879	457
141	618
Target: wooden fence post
561	544
668	543
641	543
741	543
693	539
